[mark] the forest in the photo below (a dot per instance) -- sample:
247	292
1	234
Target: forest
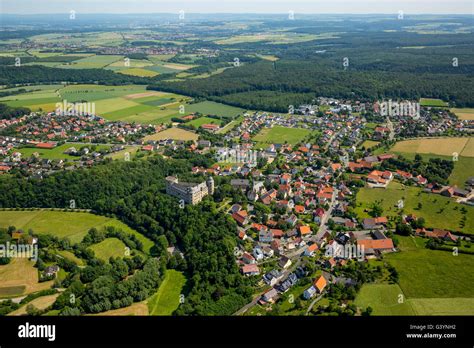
265	85
134	192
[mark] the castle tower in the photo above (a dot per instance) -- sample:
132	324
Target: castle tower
210	185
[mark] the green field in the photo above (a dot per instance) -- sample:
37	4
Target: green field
109	247
138	72
383	298
442	306
435	208
437	146
464	113
212	108
71	257
368	144
274	38
463	167
426	273
198	122
64	224
92	62
173	133
57	152
166	300
129	103
280	135
432	102
432	282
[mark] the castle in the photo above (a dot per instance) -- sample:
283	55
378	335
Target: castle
190	193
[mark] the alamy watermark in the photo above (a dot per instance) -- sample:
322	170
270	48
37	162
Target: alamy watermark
77	109
13	250
348	251
396	108
239	155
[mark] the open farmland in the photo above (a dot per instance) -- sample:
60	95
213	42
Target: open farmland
53	222
422	293
40	303
130	103
217	109
443	148
383	298
167	298
172	133
281	135
92	62
274	38
464	113
437	146
138	72
435	208
420	267
19	277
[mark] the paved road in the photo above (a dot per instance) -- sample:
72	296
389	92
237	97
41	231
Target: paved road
390	126
323	228
313	303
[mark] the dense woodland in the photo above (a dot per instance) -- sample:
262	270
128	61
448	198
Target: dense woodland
265	85
134	192
10	75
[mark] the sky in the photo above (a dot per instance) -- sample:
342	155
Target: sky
238	6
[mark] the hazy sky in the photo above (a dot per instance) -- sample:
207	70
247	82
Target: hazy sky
240	6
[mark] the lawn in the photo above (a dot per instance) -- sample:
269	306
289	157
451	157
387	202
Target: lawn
280	135
57	152
198	122
438	211
172	133
212	108
426	273
109	247
120	155
229	126
464	113
383	298
19	277
166	300
368	144
54	222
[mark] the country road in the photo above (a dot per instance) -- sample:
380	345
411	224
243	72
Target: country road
327	215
